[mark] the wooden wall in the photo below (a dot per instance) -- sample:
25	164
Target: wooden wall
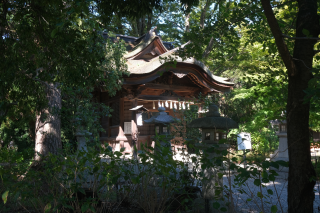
145	131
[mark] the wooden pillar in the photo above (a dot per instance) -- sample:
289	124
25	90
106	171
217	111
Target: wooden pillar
134	128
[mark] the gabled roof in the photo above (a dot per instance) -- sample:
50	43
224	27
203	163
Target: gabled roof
145	59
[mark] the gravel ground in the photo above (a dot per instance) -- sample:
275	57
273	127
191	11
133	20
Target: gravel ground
246	200
279	197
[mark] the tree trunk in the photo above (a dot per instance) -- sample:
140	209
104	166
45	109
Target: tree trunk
119	25
141	25
149	23
203	13
48	131
208	48
187	23
301	172
134	26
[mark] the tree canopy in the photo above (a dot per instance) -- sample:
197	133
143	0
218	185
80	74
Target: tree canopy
270	49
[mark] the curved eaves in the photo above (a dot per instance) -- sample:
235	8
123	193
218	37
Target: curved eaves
143	67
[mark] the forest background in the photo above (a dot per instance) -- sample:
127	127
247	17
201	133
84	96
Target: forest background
56	44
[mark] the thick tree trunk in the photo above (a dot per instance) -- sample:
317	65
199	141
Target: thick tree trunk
141	25
48	132
301	172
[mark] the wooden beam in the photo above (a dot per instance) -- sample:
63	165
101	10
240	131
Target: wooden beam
163	98
172	87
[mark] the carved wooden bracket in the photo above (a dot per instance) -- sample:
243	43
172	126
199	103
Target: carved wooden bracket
170	93
132	92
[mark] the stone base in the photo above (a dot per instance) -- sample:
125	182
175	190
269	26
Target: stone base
282	171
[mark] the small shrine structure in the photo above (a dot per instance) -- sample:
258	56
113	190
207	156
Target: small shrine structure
151	84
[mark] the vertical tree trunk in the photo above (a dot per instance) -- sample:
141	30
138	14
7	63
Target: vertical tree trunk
203	13
187	22
48	131
140	26
134	26
301	172
149	23
119	24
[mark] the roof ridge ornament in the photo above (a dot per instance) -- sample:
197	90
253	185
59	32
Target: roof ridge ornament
213	111
150	34
161	118
214	120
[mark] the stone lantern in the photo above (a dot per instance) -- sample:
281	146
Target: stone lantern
81	134
161	122
281	153
213	129
281	131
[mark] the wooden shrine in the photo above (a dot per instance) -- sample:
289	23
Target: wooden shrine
152	84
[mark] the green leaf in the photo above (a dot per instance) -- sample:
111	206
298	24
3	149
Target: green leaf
265	164
305	32
47	208
275	165
54	32
264	174
216	205
270	192
249	199
257	182
95	169
260	195
122	149
274	209
79	22
223	209
5	196
220	175
85	207
81	190
92	209
272	178
283	163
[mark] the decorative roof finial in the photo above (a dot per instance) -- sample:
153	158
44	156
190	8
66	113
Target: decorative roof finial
213	111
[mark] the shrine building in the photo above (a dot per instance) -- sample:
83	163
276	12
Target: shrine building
152	83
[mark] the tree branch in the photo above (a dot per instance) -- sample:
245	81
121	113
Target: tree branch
203	13
276	31
301	38
208	48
